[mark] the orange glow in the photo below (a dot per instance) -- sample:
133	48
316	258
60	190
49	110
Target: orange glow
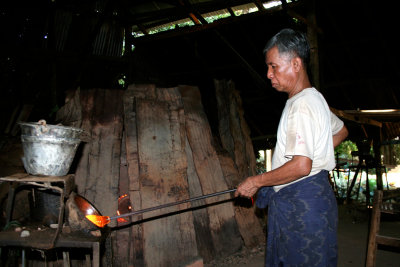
98	220
123	207
121	220
123	196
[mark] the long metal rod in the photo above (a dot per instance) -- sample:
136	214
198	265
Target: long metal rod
172	204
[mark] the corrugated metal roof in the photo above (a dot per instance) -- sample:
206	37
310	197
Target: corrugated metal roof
237	9
246	8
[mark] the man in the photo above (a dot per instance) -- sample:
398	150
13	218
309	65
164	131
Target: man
302	210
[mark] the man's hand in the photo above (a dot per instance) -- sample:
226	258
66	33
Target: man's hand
247	188
297	167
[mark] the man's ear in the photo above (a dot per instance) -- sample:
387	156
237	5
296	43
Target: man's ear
297	64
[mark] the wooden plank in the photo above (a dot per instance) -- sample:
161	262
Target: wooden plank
97	174
99	113
135	245
123	185
71	113
169	239
239	161
233	129
356	118
123	236
201	221
131	142
224	127
393	193
248	223
388	241
223	226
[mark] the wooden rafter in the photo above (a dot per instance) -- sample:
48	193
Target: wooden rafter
195	16
198	28
359	118
301	18
180	11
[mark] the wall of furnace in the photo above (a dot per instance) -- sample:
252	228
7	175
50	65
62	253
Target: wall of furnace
156	146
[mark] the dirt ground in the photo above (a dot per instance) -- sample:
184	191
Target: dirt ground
352	242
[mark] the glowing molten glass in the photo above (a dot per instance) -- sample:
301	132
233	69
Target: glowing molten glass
124	206
98	220
121	220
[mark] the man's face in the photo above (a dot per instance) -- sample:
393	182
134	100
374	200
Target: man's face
280	71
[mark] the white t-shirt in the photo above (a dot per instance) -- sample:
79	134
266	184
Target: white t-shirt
306	128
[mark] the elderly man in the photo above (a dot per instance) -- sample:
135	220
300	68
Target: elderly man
302	210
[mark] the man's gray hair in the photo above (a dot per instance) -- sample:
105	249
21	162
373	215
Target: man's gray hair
292	43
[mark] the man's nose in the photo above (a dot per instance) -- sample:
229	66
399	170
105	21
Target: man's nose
269	74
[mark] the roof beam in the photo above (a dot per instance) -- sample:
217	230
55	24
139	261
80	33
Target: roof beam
196	17
356	118
197	28
296	15
181	12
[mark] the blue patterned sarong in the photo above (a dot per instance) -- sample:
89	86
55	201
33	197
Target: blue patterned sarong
302	223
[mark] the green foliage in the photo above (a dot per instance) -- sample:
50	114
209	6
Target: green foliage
217	17
396	152
162	29
172	27
121	81
391	153
345	148
344	151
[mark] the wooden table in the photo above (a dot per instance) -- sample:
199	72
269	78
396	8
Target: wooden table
47	238
38	239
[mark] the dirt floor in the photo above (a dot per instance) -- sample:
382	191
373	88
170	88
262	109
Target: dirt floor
352	242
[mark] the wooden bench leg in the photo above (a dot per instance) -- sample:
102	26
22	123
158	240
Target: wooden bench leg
23	260
88	261
96	254
66	261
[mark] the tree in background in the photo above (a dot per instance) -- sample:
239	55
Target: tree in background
343	151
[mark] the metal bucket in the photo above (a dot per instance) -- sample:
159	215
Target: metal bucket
48	149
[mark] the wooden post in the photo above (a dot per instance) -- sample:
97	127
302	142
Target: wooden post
313	41
374	228
265	159
376	145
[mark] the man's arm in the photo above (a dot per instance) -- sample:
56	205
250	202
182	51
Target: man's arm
340	136
297	167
